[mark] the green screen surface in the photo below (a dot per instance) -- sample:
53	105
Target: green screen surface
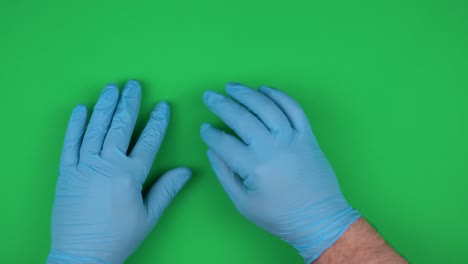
385	86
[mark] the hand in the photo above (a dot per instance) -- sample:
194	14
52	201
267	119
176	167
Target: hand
276	175
99	214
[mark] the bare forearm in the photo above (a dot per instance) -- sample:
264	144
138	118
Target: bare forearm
360	244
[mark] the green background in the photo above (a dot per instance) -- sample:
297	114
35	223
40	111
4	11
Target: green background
385	86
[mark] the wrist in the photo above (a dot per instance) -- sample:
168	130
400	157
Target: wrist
360	244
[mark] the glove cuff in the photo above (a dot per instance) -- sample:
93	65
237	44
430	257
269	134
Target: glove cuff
331	218
332	238
57	257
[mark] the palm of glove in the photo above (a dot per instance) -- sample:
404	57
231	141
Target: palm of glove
103	198
287	177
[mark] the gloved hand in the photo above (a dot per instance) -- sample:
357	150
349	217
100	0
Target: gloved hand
276	175
99	214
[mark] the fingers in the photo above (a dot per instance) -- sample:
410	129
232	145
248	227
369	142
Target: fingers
120	132
262	106
229	148
163	192
100	120
290	107
74	136
233	186
151	138
244	123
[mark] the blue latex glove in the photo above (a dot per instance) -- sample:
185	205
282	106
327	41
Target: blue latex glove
276	175
99	214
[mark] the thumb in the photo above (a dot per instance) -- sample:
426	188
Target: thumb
163	191
233	186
